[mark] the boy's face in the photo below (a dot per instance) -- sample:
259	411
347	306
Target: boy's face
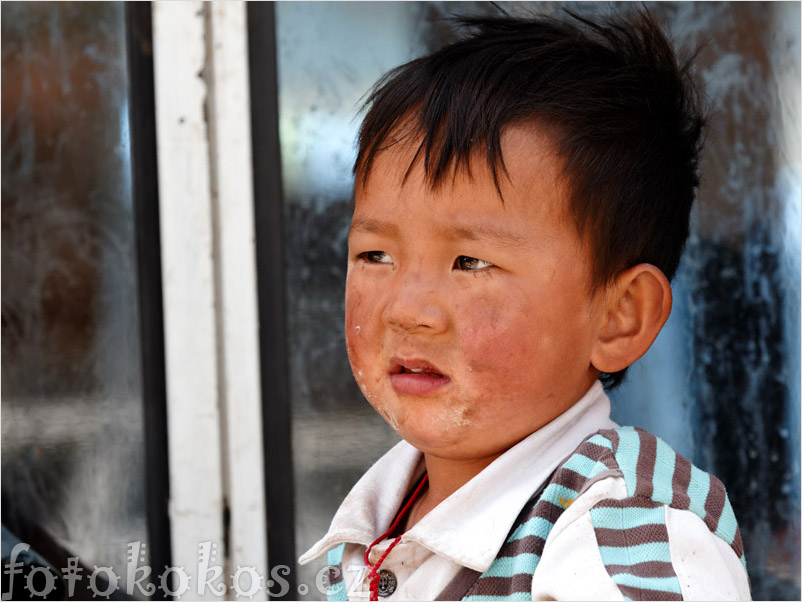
469	322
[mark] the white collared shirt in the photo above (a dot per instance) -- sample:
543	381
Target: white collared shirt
470	526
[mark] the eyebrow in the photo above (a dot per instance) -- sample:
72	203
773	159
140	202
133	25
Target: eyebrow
484	232
374	226
475	232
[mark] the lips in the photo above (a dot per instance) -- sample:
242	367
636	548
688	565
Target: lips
416	376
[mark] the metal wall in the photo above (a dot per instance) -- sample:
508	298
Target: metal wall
722	382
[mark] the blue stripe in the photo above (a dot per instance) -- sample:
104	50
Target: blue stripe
337	592
646	552
661	584
627	457
512	596
626	518
534	526
513	565
665	461
601	441
697	491
727	525
555	492
584	466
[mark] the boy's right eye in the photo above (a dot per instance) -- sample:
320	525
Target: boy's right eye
375	257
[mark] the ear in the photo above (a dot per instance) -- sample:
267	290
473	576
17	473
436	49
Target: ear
637	304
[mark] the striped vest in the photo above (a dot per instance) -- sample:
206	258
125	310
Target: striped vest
631	533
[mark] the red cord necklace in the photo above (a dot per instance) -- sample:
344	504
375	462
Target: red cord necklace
373	574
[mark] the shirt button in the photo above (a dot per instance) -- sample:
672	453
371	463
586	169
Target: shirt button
387	583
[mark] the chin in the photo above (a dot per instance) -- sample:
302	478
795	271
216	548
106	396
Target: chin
435	438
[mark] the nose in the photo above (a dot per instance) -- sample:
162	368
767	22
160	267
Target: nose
416	305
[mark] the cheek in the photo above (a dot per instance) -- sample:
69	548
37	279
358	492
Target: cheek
359	304
357	329
493	332
360	345
501	348
527	349
353	309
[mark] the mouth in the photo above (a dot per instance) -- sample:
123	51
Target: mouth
414	366
414	376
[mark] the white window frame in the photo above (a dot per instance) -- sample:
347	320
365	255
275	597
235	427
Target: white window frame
214	414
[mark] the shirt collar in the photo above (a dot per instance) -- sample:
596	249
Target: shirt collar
471	525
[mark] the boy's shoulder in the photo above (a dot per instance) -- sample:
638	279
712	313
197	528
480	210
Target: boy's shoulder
622	516
626	502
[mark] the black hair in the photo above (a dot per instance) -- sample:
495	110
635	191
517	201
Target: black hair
623	113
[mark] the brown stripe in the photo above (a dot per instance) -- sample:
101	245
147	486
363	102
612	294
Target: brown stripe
531	544
596	452
714	503
636	593
609	460
548	510
568	478
615	538
334	575
737	543
502	586
680	482
651	569
458	587
621	538
612	436
630	502
647	455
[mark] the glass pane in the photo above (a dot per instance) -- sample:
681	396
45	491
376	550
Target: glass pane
72	428
727	366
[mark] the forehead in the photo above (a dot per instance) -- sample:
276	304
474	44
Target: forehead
531	184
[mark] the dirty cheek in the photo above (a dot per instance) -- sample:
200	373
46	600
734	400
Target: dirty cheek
353	326
495	342
360	354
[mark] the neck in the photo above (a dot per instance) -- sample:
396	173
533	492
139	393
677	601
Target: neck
445	477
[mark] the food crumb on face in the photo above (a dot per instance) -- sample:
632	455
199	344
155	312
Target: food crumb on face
387	416
459	416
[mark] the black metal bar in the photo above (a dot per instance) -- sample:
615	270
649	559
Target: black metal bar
144	176
268	200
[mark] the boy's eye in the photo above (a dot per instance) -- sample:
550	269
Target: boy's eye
375	257
471	264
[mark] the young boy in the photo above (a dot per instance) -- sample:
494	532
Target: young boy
522	199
